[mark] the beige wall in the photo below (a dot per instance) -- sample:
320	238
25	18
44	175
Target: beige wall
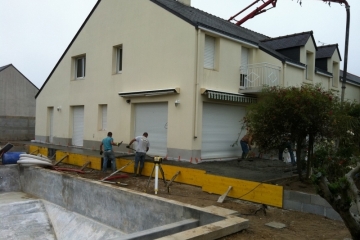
113	23
324	81
226	76
293	76
352	92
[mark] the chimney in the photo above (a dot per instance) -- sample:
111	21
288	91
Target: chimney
185	2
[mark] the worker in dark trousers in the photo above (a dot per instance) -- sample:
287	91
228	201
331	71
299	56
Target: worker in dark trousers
142	147
108	153
246	143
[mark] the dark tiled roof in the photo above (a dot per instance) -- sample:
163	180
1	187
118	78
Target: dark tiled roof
289	41
3	67
327	51
350	77
200	18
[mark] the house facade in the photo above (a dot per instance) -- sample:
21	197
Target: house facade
17	105
176	72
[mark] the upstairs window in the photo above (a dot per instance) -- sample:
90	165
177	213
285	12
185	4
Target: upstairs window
80	64
119	54
209	52
117	59
103	117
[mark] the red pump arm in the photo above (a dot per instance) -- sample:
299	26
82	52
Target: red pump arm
338	1
257	11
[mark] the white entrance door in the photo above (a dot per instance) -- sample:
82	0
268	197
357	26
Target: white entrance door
78	126
220	129
152	118
51	125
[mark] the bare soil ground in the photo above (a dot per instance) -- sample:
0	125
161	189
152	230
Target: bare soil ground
298	225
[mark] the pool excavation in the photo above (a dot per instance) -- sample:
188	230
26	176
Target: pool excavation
39	203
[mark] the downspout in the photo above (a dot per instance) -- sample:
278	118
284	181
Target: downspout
284	74
346	51
197	91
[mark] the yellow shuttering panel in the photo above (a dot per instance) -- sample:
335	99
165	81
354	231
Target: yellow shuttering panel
187	175
79	160
245	190
38	150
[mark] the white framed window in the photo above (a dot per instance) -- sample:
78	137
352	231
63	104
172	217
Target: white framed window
209	52
80	65
103	117
119	56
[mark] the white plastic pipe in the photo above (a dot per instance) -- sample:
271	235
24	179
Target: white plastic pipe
156	178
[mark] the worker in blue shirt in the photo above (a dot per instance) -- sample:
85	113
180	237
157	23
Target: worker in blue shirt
107	152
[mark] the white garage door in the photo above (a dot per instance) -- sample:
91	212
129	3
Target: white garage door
152	118
220	129
78	126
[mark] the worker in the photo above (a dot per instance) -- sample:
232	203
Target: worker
107	152
142	147
286	143
246	142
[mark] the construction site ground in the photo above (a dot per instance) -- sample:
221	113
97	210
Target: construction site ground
298	225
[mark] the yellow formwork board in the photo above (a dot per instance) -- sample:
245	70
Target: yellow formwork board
122	162
38	150
187	175
245	190
79	159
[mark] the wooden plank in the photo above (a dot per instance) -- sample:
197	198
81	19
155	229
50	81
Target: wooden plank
62	159
222	197
85	165
35	151
172	179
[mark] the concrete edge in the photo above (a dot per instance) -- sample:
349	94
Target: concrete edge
215	230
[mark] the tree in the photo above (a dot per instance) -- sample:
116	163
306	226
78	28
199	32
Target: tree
301	112
332	128
337	168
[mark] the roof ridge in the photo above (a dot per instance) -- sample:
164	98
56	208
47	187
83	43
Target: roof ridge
287	36
329	45
5	66
222	19
347	72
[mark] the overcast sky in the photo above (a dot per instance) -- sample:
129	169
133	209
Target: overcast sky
35	33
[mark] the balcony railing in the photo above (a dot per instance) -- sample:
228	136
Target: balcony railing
259	74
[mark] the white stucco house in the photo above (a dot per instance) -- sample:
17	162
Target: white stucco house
174	71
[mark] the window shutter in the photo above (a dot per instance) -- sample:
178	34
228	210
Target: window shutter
244	56
209	53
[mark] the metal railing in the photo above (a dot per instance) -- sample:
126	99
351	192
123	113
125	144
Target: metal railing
258	75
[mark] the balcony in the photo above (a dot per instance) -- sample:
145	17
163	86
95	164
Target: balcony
253	77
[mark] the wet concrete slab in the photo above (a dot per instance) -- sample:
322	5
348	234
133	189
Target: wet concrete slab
254	169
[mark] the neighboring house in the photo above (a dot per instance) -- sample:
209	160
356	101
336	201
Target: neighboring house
17	105
182	75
